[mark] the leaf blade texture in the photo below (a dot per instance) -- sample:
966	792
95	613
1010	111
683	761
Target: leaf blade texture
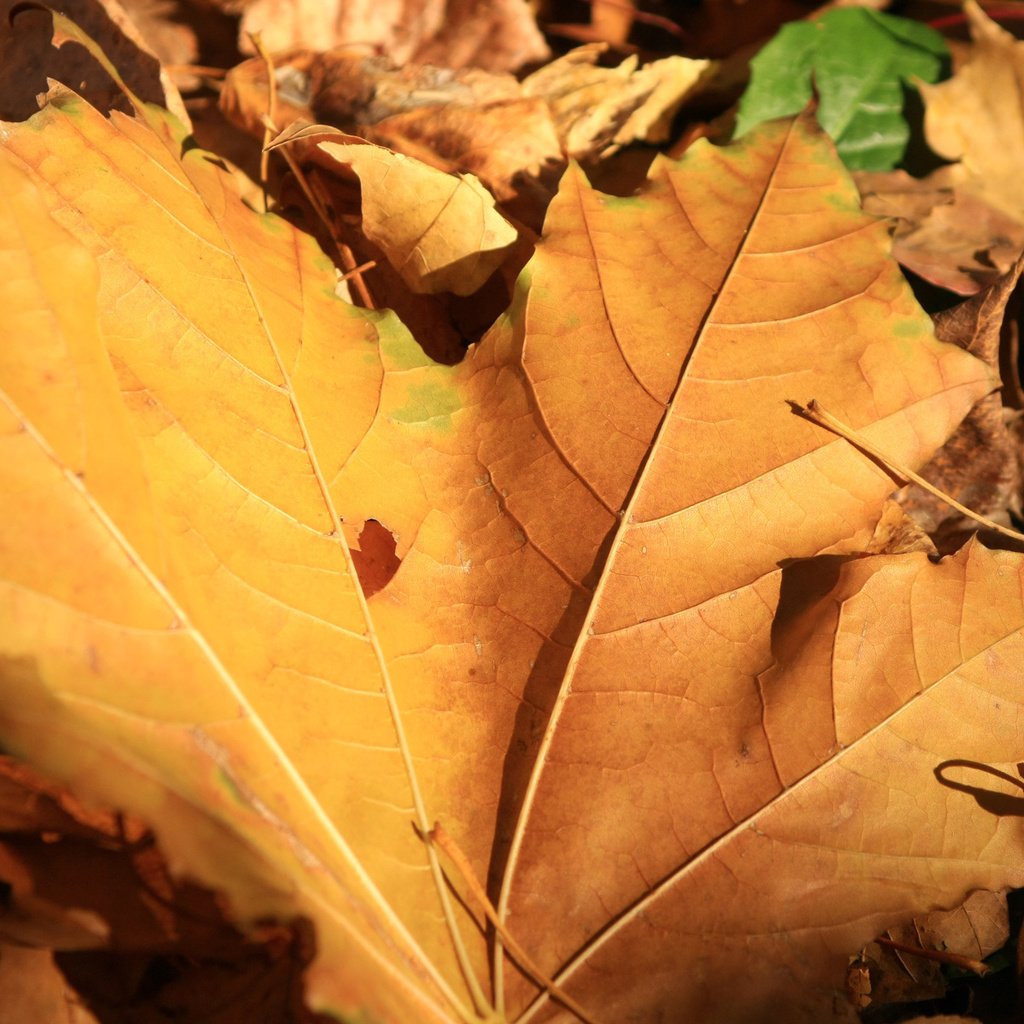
195	645
205	445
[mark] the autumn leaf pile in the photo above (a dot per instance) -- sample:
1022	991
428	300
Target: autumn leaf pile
436	592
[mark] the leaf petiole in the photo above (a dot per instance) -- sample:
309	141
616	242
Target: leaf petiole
816	413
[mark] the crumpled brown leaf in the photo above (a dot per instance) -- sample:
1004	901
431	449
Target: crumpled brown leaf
514	137
980	464
944	232
89	884
597	110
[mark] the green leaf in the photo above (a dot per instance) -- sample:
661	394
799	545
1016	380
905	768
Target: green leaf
858	61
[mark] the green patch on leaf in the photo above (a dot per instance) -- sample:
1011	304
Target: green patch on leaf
858	62
917	328
433	401
398	348
231	786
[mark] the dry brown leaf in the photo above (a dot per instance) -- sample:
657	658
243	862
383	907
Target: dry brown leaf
441	232
597	110
980	465
944	233
976	116
497	35
633	656
464	121
28	59
976	929
899	974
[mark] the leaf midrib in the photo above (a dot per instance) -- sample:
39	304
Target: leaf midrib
625	523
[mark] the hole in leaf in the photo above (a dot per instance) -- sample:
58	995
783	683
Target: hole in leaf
375	559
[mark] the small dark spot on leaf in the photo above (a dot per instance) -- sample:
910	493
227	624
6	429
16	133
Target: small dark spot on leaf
375	560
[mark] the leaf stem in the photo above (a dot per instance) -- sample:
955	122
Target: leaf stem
438	836
815	412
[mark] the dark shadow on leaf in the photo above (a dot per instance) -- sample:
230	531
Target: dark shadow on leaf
991	800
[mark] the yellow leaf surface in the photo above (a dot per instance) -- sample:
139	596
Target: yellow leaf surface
609	659
161	433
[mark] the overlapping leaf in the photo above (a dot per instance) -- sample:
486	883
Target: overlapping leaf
596	663
171	366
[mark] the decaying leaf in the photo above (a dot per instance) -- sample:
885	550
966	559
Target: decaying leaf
457	121
27	59
633	654
980	465
515	137
905	964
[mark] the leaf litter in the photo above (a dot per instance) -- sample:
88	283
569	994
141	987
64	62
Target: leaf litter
633	633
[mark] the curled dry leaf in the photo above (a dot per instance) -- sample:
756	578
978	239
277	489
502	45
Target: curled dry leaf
980	465
457	121
440	231
632	656
597	110
514	137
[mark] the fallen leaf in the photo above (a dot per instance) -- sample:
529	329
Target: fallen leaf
975	117
944	233
514	137
632	655
976	929
90	886
500	35
856	61
597	110
27	59
266	295
441	232
962	226
897	974
463	122
979	465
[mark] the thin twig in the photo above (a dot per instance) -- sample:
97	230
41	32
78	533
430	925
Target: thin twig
444	842
815	412
938	955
